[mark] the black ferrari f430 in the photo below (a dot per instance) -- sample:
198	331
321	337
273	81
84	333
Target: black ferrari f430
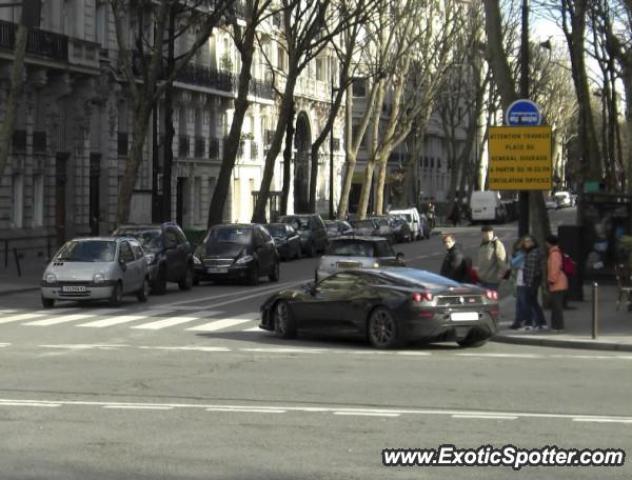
389	306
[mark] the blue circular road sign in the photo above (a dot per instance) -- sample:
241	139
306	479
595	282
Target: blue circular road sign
523	112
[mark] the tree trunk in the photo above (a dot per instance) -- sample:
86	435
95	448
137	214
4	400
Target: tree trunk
231	147
287	160
350	158
6	131
134	159
259	214
167	153
381	162
367	185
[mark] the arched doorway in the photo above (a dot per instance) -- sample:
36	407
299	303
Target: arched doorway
302	145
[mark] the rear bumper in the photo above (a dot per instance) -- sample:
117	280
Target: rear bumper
234	272
440	327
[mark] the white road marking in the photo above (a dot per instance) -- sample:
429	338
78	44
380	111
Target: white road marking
138	407
367	414
283	350
109	322
192	348
500	355
29	404
60	319
170	322
85	346
601	420
6	311
487	417
21	316
244	410
253	329
2	345
218	325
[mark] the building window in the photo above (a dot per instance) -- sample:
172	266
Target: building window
438	163
17	195
359	87
199	204
320	69
122	144
38	200
431	162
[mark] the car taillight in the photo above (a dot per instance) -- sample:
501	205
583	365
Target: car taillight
491	294
422	297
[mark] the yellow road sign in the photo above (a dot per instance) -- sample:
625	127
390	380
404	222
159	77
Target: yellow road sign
520	158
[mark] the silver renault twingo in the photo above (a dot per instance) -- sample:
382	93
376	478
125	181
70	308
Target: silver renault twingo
99	268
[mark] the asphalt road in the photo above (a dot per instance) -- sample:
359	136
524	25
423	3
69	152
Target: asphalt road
186	387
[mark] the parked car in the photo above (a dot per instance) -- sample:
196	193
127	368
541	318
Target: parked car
401	229
563	199
384	228
238	252
487	206
337	228
365	228
357	252
169	254
389	306
414	220
286	239
98	268
550	203
312	231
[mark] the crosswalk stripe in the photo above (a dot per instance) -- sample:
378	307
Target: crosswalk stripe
218	325
170	322
253	329
21	316
71	318
109	322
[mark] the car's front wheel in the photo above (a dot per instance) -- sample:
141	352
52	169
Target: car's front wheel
311	250
284	324
143	293
383	330
117	295
186	282
48	302
253	277
159	286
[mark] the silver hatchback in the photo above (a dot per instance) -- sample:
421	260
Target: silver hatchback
96	269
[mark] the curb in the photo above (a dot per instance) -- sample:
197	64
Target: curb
4	293
551	342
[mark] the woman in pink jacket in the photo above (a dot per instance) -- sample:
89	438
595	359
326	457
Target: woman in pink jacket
557	281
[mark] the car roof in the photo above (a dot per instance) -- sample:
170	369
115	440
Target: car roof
414	275
360	238
100	239
237	225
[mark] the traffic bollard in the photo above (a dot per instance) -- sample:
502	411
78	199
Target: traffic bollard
595	310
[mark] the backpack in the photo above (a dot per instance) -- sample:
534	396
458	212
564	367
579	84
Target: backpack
569	267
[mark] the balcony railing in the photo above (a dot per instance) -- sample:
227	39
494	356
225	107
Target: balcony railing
205	77
40	42
183	146
39	142
213	148
200	144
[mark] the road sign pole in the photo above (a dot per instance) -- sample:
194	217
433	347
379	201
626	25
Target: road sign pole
523	196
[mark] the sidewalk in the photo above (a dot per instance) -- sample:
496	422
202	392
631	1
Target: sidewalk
614	327
11	283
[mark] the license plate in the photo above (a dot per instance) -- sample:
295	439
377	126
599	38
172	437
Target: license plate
216	270
463	316
73	289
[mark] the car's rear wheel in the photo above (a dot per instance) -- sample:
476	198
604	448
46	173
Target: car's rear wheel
253	277
284	324
159	286
186	282
311	250
383	330
117	295
276	273
48	302
143	293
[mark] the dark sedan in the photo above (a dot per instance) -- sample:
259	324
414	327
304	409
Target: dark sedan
286	239
365	228
389	306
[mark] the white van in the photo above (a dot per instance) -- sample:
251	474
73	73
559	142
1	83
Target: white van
486	206
412	217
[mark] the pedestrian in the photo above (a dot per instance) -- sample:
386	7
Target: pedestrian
453	265
491	262
532	278
455	213
557	283
517	265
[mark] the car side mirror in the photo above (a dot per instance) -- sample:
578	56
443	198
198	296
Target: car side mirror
399	256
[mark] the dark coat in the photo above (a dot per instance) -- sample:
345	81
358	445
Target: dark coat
453	265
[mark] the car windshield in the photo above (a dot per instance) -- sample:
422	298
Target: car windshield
364	224
150	240
299	223
350	248
277	230
241	236
87	251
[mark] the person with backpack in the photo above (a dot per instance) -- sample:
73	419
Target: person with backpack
491	263
454	265
520	291
557	282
